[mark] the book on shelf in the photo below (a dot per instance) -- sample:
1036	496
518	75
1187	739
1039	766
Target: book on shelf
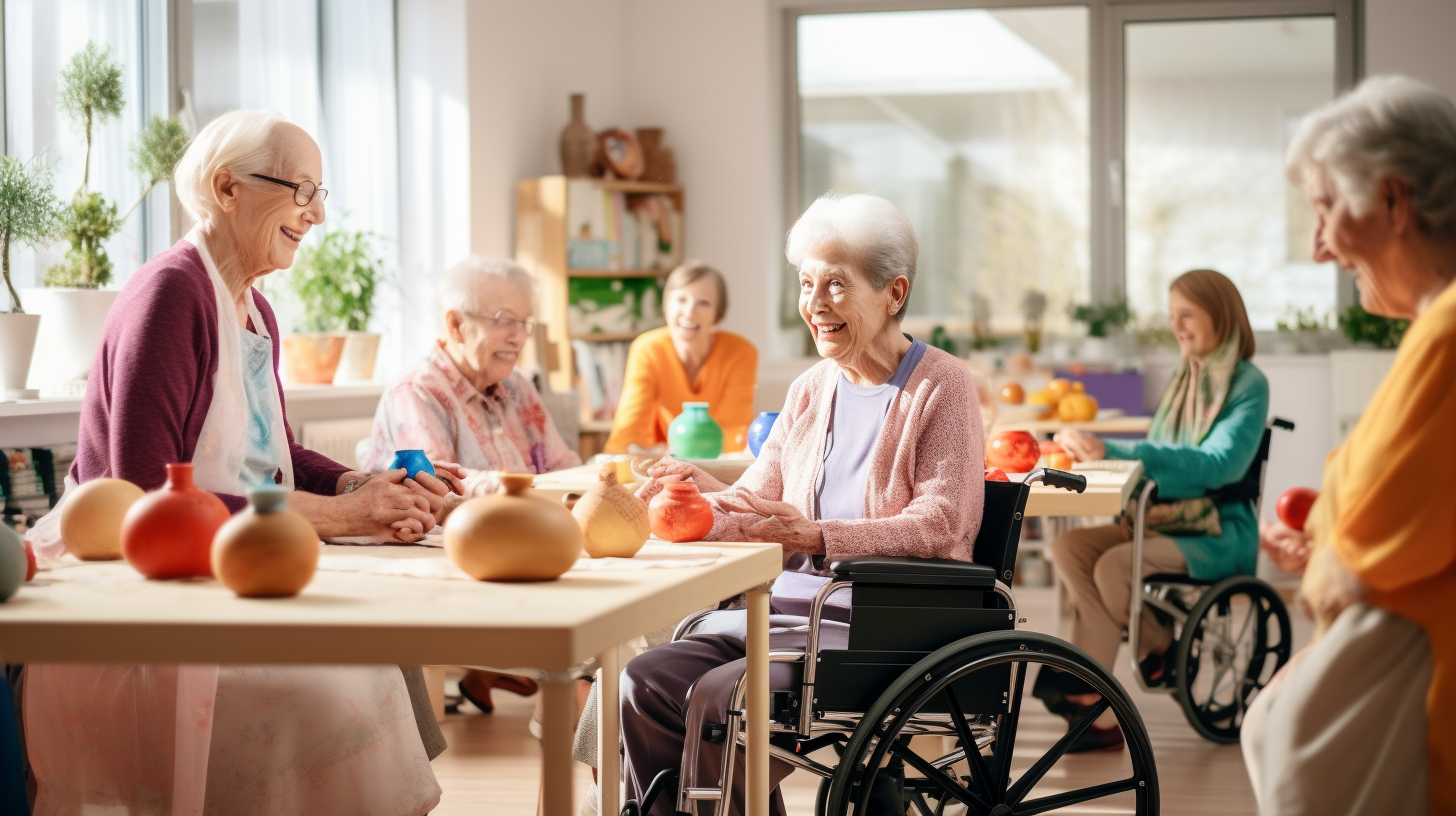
602	368
613	230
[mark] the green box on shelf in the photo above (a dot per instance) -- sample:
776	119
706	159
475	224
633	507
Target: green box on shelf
613	305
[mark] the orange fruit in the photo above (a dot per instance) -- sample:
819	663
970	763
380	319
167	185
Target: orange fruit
1060	461
1077	408
1013	393
1078	387
1058	388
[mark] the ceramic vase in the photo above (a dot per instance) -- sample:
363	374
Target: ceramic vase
69	336
356	363
415	461
758	431
613	521
680	513
311	359
91	518
266	551
513	536
168	532
660	165
578	141
12	562
695	434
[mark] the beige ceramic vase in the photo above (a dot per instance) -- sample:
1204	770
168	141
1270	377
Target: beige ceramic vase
512	536
578	141
91	518
266	551
613	521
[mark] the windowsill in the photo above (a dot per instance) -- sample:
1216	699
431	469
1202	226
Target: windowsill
48	406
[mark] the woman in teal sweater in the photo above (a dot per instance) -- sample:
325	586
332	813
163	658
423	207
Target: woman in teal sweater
1204	436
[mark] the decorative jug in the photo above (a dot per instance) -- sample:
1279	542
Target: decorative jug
266	551
613	521
758	431
512	536
680	513
168	532
415	461
578	141
91	518
695	434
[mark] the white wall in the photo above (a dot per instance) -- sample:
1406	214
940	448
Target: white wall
1412	37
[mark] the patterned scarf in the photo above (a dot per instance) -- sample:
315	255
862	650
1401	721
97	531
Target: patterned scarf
1195	396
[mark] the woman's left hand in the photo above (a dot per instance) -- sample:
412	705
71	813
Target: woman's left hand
1083	446
782	523
1328	587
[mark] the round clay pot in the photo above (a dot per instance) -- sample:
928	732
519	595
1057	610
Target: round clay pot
758	431
694	434
91	518
613	521
168	532
512	536
12	562
266	551
680	513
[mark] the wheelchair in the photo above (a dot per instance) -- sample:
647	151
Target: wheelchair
1231	635
926	700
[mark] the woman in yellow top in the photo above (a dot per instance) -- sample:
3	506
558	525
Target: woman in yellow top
688	360
1379	167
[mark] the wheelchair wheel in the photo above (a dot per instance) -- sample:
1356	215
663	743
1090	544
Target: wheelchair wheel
1236	637
976	775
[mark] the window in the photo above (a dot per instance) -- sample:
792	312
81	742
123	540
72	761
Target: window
974	123
1211	106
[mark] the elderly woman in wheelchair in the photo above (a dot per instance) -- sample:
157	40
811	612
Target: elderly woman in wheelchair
1206	433
872	475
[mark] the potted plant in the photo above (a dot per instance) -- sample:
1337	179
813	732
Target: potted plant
1100	319
29	214
1033	308
74	303
1307	328
333	285
1365	329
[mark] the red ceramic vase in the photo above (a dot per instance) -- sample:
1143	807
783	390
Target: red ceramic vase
680	513
1013	451
168	532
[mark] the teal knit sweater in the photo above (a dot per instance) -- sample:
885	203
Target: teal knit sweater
1221	458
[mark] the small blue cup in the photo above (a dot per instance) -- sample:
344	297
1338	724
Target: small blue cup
415	461
758	431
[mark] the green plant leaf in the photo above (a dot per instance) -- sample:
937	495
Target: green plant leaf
87	223
158	149
1362	327
91	89
335	281
30	211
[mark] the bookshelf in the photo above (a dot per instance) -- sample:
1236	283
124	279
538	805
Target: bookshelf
613	221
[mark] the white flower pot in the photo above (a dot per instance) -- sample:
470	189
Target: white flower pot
17	341
69	337
361	349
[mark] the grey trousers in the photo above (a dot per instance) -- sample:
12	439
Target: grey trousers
1342	728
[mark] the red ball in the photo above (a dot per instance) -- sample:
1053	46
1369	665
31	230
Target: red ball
1294	504
1013	451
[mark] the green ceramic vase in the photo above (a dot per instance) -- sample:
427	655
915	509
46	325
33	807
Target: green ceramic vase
695	434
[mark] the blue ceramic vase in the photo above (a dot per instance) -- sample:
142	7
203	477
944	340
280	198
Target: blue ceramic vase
415	461
695	434
758	431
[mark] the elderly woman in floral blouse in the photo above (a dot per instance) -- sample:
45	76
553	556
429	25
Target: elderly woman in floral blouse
465	403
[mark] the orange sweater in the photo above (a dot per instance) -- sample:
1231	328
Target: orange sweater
657	385
1386	508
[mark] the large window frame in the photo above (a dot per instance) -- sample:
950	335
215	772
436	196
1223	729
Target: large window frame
1107	90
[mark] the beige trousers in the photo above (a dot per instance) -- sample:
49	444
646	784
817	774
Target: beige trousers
1095	565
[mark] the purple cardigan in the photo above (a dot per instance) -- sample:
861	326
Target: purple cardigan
151	384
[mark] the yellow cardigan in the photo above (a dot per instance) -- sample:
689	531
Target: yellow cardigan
657	385
1386	507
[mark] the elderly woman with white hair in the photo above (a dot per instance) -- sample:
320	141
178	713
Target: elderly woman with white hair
1344	729
186	372
466	404
878	451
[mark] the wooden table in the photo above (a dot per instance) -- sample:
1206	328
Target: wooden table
107	613
1109	421
579	479
1109	486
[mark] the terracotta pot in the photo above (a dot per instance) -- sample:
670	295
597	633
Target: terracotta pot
613	521
660	163
680	513
578	141
512	536
311	359
91	518
266	551
168	533
12	562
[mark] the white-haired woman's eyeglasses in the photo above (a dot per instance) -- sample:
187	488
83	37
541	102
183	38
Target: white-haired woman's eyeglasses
505	323
303	191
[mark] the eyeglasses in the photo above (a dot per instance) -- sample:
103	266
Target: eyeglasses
303	192
505	323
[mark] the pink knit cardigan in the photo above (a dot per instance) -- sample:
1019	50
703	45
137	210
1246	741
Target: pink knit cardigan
926	481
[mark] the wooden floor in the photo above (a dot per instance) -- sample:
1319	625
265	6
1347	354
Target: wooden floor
493	767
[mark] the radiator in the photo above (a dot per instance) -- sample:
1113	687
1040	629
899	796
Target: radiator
338	439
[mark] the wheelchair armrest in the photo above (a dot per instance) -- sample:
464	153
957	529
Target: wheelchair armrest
873	569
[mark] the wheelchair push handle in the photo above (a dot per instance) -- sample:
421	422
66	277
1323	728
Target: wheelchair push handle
1074	482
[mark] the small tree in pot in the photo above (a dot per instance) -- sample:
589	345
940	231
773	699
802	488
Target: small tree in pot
334	284
29	214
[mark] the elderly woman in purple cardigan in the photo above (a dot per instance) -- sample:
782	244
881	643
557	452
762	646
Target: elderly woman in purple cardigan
187	372
878	451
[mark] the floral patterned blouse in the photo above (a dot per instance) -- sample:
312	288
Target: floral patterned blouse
433	407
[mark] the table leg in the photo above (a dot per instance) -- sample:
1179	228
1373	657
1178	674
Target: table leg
558	702
756	795
609	757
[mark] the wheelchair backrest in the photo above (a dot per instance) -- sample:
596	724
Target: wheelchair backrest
1000	532
1251	485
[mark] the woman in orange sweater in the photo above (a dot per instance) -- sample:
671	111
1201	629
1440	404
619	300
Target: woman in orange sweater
688	360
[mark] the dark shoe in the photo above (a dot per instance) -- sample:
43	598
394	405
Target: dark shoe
1097	739
523	686
1157	669
1052	687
